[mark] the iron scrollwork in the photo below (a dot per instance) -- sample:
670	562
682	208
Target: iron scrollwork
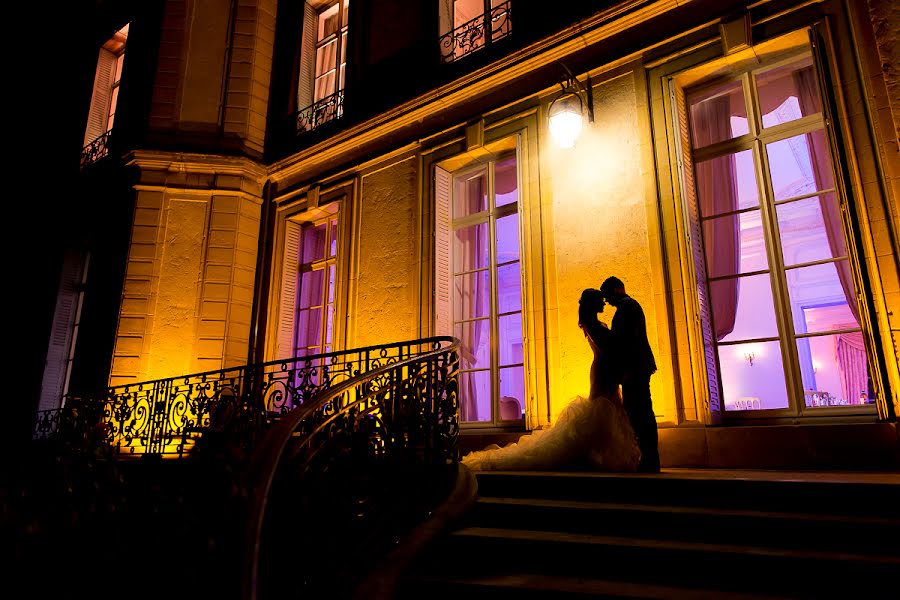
96	150
476	33
327	109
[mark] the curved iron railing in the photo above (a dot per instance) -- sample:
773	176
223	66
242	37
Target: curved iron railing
472	35
168	416
400	414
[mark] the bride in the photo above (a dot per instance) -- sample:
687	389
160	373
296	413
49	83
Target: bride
590	433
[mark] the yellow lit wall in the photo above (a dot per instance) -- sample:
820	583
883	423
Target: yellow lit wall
386	297
188	290
600	228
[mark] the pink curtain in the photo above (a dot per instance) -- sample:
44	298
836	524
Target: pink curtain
820	157
717	193
851	358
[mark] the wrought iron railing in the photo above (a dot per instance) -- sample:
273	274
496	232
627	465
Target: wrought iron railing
473	35
335	454
327	109
96	150
168	416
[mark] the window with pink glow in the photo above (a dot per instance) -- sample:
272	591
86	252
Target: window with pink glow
107	78
315	287
331	50
487	292
782	297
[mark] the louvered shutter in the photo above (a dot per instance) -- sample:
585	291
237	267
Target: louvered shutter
61	333
703	300
443	315
99	113
288	302
307	57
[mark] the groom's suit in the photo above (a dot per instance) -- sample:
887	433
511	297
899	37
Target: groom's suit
635	360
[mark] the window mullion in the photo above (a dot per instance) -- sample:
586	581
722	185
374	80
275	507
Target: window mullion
494	309
777	277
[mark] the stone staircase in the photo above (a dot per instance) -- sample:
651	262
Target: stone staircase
680	534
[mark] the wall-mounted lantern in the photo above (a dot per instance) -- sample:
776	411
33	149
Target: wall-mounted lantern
567	109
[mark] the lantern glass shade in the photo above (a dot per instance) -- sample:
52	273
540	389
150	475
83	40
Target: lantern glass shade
565	119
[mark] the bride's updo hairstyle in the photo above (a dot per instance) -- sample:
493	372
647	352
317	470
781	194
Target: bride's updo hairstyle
590	303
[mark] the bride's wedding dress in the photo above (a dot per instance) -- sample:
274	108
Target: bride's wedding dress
591	432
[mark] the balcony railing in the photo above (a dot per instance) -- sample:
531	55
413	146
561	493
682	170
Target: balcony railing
96	150
327	109
473	35
168	416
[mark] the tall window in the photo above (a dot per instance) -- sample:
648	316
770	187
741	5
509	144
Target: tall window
482	278
779	303
105	97
323	60
469	25
315	287
309	272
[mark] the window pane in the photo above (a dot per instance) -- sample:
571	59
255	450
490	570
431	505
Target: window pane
512	393
819	286
325	58
466	10
804	235
328	21
472	295
311	288
324	86
329	323
470	248
475	396
510	327
717	114
508	238
834	370
726	183
752	376
332	250
313	243
734	244
470	196
743	308
331	270
788	92
509	288
309	327
800	165
825	317
475	349
505	182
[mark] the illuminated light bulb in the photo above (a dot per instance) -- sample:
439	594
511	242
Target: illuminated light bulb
565	119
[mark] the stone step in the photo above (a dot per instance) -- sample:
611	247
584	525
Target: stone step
839	533
476	552
877	498
528	585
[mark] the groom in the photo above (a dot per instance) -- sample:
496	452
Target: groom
636	362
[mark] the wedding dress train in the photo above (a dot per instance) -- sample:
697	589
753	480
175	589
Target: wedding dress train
590	433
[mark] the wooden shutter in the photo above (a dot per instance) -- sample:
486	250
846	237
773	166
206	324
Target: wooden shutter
445	16
443	275
699	259
287	311
307	78
56	365
100	99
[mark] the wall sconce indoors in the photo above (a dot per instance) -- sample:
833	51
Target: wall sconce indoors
566	110
750	356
